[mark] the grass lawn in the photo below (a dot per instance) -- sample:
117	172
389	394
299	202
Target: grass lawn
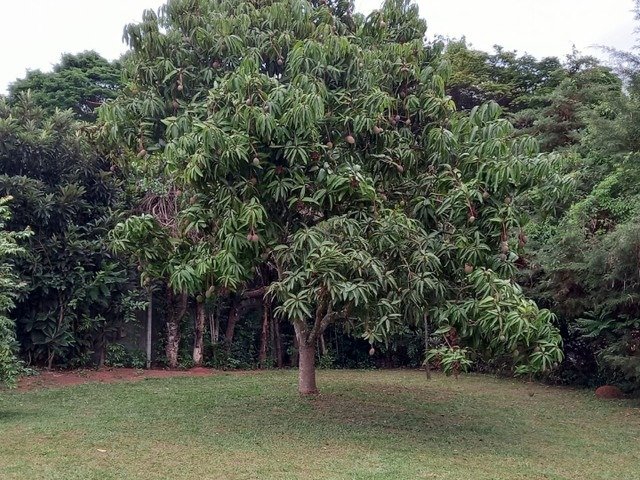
364	425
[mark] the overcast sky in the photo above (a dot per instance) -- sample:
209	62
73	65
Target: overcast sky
35	33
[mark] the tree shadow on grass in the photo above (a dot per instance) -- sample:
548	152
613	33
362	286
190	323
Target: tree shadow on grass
384	415
404	421
8	417
393	419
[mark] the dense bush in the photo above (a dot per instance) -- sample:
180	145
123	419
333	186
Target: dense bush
77	292
10	286
119	356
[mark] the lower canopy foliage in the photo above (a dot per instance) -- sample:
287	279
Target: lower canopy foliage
377	274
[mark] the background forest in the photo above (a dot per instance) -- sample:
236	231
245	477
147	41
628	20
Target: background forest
262	185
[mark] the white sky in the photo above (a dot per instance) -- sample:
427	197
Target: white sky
35	33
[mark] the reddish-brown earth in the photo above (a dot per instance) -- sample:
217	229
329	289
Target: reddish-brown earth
609	391
53	379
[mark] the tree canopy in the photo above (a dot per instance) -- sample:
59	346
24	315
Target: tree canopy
292	126
80	83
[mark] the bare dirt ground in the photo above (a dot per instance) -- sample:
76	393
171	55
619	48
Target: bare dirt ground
56	379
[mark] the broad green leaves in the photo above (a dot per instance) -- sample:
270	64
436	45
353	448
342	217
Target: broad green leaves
323	145
375	272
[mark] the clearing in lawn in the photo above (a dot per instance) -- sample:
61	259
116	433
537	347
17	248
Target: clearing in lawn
364	424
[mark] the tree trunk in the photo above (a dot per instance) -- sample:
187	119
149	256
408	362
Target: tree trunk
279	346
264	335
176	310
50	359
426	347
307	370
296	352
323	346
103	352
173	343
149	328
214	328
198	340
272	338
234	314
277	342
307	363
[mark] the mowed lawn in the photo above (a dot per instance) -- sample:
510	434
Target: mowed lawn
364	425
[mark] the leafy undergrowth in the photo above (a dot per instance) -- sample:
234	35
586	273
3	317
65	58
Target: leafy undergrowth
365	425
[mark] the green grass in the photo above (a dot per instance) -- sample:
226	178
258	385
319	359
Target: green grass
364	425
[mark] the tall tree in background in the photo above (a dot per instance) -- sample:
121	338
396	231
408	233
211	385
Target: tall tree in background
589	256
558	118
79	82
545	98
585	263
515	82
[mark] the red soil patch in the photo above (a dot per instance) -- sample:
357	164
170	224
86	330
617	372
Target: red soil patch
53	379
609	391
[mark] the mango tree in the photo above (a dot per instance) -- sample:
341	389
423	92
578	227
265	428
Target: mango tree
332	128
372	272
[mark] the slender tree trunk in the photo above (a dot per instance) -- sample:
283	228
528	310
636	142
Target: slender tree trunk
214	328
234	314
323	346
307	366
177	309
296	352
427	367
279	348
264	335
149	328
277	337
272	338
173	342
103	352
198	341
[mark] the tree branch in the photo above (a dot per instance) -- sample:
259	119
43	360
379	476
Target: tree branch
323	321
258	292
